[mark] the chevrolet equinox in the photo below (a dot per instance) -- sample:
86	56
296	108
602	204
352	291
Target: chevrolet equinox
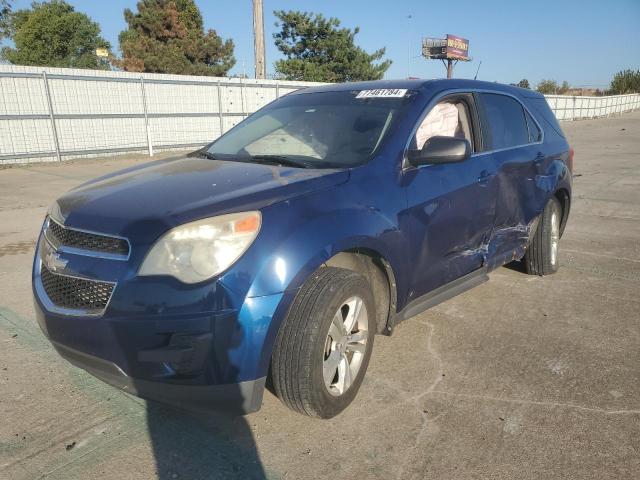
282	248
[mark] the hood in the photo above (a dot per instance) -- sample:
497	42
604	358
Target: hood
144	201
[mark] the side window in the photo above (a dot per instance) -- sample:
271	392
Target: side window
543	112
447	119
507	124
535	135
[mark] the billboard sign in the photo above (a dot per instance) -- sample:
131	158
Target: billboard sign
457	47
434	47
452	47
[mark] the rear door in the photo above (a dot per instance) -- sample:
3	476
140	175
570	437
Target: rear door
451	207
514	139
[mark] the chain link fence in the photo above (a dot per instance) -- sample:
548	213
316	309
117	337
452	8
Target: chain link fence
57	113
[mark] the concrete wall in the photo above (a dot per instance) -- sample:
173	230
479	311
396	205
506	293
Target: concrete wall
47	114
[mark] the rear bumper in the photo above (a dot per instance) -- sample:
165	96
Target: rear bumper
239	398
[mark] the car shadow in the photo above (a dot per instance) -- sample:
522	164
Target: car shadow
516	266
189	438
196	446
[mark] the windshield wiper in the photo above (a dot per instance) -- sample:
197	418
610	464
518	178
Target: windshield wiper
273	159
280	160
205	154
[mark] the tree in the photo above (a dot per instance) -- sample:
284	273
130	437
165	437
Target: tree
547	87
53	34
316	49
5	12
168	36
524	83
625	81
564	88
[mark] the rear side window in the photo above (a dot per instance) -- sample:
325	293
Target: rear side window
535	135
541	107
507	125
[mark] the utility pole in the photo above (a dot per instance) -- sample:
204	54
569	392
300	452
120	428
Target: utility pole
258	39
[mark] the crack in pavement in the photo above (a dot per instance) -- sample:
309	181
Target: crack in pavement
598	271
431	390
118	438
416	399
603	255
53	443
538	403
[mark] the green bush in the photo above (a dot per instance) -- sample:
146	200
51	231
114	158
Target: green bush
625	81
547	87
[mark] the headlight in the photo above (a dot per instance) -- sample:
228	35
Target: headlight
196	251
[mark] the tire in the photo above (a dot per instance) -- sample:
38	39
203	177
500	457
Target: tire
305	346
541	257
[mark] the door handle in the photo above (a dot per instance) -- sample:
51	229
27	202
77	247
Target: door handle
485	176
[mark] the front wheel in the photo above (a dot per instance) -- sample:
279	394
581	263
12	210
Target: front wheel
541	257
324	344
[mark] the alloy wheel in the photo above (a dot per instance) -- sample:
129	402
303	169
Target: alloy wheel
345	345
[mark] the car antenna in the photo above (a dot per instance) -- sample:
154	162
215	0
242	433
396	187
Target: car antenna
479	65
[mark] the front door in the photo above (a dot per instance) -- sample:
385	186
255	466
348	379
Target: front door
451	207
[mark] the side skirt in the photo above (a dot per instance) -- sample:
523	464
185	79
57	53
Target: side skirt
440	294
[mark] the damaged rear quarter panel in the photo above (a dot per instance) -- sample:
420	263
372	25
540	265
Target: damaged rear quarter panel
528	177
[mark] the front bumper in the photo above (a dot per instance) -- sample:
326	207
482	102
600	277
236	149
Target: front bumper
201	347
240	398
214	362
208	362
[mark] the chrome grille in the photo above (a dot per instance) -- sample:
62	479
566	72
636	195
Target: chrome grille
59	235
75	293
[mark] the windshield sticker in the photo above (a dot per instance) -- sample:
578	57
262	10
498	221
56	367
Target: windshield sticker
382	93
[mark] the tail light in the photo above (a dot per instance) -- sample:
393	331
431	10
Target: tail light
570	161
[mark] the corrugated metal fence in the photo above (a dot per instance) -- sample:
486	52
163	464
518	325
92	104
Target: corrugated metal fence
58	113
576	108
55	113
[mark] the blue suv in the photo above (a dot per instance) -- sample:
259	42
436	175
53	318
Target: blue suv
281	249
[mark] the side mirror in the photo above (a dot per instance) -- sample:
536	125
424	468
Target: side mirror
440	150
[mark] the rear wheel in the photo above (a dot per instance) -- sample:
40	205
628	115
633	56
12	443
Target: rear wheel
324	344
541	257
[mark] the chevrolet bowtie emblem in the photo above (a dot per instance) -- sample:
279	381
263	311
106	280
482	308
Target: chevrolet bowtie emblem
54	263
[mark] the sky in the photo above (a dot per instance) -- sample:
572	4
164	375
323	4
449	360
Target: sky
581	41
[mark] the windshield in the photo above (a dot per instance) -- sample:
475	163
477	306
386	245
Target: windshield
314	130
